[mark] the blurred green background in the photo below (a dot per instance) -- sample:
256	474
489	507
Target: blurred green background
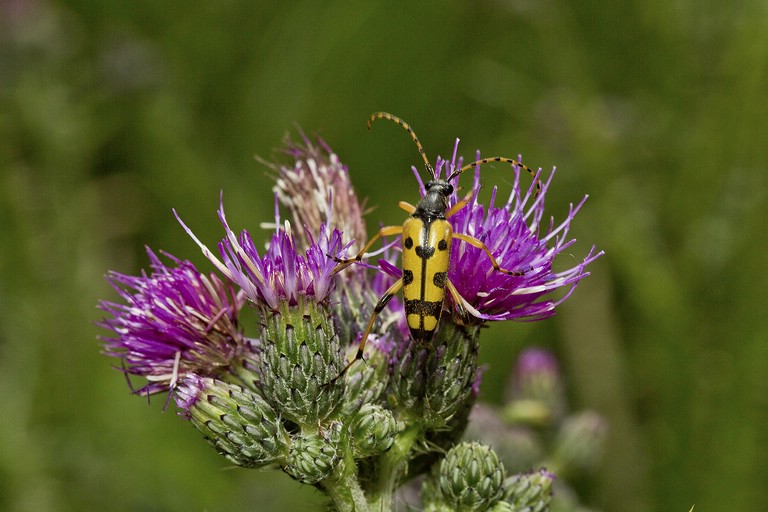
114	112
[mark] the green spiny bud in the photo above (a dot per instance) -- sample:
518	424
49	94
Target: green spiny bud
470	478
313	457
503	506
237	422
300	357
530	492
407	383
579	442
450	383
373	430
365	380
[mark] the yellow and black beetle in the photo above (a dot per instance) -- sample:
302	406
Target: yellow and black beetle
426	242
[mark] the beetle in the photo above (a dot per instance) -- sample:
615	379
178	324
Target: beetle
426	242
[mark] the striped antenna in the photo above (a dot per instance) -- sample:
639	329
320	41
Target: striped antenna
407	127
499	159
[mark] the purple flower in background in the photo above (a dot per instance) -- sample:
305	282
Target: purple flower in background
533	363
535	391
174	321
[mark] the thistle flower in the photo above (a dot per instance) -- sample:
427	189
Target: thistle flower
317	190
172	322
512	232
299	351
536	395
282	274
354	432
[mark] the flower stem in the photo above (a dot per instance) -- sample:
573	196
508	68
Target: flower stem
345	490
392	466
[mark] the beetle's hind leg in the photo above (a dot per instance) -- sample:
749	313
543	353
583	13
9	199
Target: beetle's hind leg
480	245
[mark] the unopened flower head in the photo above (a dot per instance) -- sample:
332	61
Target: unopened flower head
536	395
536	376
237	422
174	321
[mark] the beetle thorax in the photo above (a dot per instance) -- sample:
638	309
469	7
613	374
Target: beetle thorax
435	203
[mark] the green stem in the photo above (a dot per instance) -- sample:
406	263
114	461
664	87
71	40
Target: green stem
392	465
345	490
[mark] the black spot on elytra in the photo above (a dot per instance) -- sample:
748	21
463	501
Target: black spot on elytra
442	245
407	277
408	243
424	252
440	278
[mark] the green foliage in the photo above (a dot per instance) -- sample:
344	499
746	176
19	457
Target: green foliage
112	113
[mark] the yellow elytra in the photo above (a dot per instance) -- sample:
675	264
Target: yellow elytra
426	259
426	242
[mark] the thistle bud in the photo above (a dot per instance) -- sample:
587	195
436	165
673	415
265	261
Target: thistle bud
373	430
450	383
470	478
366	381
579	442
313	456
531	492
239	424
536	391
300	356
407	378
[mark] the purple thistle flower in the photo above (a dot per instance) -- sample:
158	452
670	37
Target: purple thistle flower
173	322
535	361
535	392
282	274
512	232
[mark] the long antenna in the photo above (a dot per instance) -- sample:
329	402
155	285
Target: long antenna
503	160
407	127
